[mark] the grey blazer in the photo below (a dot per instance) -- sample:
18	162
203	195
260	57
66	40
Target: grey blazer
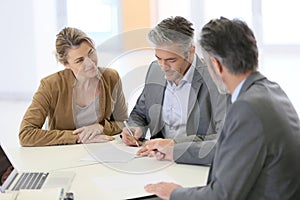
206	108
257	153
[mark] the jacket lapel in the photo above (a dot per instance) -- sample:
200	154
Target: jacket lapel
195	87
157	78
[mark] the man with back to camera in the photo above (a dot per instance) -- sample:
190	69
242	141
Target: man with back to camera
179	102
256	155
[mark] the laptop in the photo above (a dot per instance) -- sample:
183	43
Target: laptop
13	180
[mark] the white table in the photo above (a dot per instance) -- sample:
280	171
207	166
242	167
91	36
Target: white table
96	180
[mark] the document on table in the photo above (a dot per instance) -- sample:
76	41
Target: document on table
110	153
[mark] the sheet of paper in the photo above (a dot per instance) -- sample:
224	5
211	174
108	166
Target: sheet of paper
110	153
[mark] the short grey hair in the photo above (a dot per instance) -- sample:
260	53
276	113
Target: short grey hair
173	31
232	42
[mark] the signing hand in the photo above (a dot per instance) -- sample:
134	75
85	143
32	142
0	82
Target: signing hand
128	139
162	189
160	148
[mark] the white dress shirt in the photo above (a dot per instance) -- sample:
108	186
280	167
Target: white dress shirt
175	105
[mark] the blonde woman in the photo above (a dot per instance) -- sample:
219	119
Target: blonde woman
83	103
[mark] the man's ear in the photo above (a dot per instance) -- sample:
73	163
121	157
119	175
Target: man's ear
218	66
192	50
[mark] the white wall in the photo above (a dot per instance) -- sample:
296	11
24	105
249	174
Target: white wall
17	53
45	34
27	31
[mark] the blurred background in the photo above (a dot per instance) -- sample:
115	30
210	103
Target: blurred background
119	28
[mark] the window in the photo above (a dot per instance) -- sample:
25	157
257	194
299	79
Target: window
98	18
280	22
275	25
229	9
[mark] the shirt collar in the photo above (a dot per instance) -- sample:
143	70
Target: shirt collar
236	91
188	77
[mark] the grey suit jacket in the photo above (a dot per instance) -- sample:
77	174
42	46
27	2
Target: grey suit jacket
257	153
206	108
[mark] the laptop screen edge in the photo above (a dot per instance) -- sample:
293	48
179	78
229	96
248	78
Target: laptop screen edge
9	180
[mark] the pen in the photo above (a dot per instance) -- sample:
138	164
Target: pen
131	133
61	195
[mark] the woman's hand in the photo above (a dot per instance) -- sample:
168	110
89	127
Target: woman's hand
92	134
100	138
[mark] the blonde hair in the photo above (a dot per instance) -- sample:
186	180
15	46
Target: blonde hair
66	39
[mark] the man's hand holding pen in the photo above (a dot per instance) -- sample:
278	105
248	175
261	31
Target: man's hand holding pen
160	148
132	140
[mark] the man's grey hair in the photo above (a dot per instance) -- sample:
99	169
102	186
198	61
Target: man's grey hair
173	31
232	42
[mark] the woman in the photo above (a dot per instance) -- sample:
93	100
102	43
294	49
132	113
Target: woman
83	103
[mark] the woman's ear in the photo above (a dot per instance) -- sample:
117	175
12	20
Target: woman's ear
66	65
